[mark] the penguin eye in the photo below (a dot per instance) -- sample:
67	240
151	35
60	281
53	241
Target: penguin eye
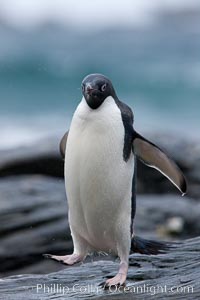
103	87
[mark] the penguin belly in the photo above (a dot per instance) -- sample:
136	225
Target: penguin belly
98	180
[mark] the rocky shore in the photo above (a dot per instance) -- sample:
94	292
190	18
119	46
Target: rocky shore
33	219
174	275
44	158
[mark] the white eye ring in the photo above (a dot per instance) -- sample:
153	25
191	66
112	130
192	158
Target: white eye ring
103	87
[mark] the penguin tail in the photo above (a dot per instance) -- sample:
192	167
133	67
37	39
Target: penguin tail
149	247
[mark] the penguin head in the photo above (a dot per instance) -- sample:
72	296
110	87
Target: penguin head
96	88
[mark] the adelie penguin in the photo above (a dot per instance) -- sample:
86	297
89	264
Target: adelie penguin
100	151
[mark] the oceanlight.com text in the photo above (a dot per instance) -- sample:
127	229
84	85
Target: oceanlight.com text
95	289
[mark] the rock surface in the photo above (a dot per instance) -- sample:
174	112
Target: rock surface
174	275
33	221
186	153
44	158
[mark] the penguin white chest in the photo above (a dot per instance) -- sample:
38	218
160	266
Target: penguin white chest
98	180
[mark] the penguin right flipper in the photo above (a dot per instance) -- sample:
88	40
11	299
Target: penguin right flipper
63	143
154	157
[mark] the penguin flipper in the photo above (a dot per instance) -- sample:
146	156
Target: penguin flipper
63	143
154	157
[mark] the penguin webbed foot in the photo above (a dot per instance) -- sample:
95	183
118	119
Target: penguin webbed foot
118	280
66	259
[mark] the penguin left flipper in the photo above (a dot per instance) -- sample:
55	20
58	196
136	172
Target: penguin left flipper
154	157
63	143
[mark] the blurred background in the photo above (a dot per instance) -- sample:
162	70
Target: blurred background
149	49
151	52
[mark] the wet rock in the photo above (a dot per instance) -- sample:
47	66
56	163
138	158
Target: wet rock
167	216
44	158
186	153
33	221
174	275
175	225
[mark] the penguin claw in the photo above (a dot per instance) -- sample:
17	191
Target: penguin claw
102	285
106	286
53	258
46	255
117	281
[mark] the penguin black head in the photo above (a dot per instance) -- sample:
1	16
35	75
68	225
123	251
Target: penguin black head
96	88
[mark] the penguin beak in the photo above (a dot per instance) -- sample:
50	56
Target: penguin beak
89	89
92	95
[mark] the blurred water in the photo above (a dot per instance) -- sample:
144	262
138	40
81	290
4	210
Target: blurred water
155	70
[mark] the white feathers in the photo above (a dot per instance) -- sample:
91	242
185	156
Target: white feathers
98	180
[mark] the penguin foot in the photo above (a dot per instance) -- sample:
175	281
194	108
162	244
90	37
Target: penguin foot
118	280
66	259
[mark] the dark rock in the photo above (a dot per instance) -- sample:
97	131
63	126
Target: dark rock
174	275
44	158
33	221
186	153
155	213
